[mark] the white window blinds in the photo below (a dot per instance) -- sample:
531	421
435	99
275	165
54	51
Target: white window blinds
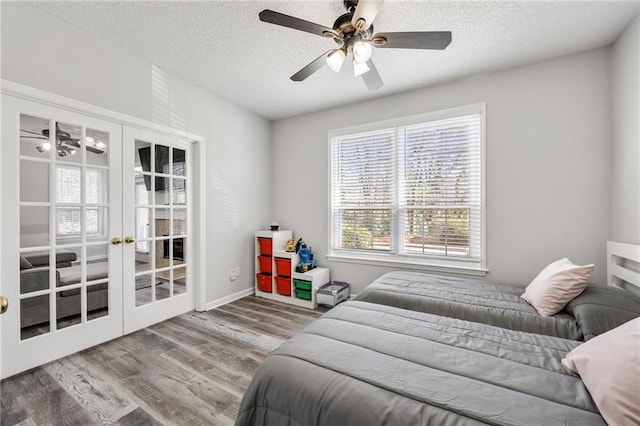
439	199
364	190
68	191
412	190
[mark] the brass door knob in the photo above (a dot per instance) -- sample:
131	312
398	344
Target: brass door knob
4	304
116	240
129	240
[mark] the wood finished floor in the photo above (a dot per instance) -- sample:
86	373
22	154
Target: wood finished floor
189	370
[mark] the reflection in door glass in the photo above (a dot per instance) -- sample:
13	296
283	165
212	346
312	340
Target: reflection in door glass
179	191
143	189
68	266
97	146
179	280
163	290
97	301
68	308
34	316
34	272
68	142
97	262
34	181
68	225
34	226
33	142
144	289
179	162
162	190
162	159
179	221
96	186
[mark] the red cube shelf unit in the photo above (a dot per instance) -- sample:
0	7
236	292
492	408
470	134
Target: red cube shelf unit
276	278
271	274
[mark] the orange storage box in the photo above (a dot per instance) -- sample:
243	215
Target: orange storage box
283	266
265	246
265	264
264	282
284	285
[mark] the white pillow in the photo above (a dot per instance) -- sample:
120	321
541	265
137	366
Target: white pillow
556	285
609	366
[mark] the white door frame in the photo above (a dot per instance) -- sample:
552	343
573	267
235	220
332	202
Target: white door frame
199	200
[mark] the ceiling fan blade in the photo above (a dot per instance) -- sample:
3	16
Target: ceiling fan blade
288	21
372	78
312	67
437	40
33	137
72	142
365	11
33	133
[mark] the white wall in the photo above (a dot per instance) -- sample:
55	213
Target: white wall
625	115
40	51
548	164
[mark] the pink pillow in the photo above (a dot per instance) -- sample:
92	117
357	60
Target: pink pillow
609	366
557	285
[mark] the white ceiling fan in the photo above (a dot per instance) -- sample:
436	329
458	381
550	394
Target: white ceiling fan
353	31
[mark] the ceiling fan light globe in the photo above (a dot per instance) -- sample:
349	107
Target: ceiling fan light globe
46	146
362	51
101	145
335	60
359	68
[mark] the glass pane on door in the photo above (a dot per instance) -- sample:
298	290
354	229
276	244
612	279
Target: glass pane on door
64	232
161	211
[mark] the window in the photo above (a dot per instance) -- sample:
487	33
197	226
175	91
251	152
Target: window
68	191
410	191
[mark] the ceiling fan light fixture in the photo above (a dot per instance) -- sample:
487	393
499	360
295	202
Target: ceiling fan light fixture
46	146
359	68
100	145
362	51
335	59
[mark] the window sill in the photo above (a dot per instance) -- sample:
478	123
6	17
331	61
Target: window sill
461	268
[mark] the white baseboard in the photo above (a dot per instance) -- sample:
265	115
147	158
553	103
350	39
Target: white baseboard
228	299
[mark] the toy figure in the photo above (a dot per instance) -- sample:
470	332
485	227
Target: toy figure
306	257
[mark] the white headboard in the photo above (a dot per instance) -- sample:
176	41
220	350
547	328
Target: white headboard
623	265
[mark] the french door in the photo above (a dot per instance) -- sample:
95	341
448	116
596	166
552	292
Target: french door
157	221
95	231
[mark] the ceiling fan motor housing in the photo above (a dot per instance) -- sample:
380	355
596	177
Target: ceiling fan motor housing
343	26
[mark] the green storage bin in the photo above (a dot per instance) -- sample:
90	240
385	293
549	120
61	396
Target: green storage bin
303	294
302	285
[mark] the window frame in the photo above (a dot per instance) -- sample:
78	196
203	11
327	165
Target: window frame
396	258
101	219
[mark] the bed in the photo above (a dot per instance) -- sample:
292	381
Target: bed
366	363
467	299
598	309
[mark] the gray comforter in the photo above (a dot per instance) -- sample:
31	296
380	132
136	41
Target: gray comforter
369	364
477	301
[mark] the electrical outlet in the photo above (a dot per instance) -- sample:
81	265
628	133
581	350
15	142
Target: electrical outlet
232	274
236	270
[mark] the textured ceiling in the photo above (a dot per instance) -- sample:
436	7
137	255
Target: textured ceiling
222	46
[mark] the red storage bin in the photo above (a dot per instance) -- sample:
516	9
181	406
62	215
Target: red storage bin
264	282
283	266
265	264
284	285
265	246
